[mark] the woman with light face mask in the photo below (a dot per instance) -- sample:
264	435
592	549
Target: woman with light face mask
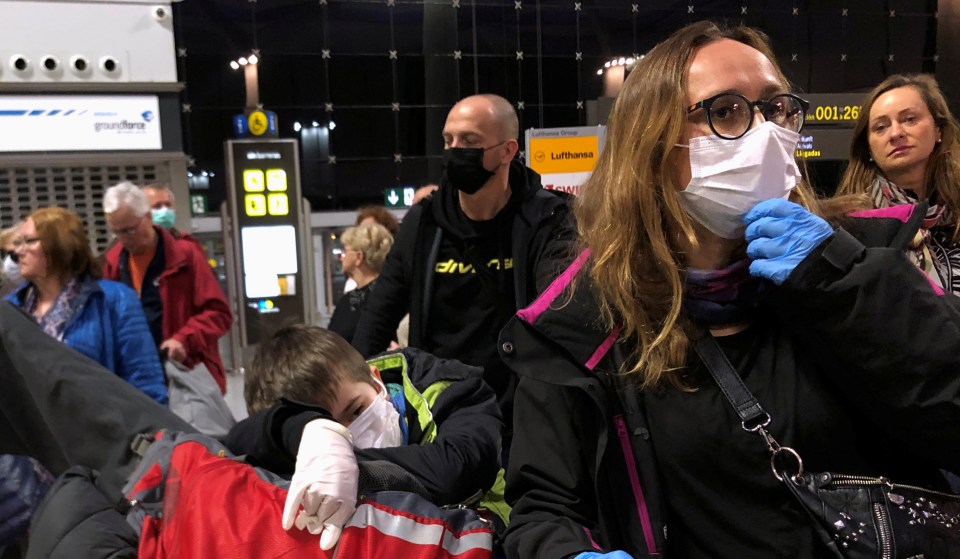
10	276
701	244
906	150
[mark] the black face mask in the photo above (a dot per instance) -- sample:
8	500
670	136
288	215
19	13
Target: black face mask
464	168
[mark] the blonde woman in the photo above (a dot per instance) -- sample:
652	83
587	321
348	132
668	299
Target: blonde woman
365	249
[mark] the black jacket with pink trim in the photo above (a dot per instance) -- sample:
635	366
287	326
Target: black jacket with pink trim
583	474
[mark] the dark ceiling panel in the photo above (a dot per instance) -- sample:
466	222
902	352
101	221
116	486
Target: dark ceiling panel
350	60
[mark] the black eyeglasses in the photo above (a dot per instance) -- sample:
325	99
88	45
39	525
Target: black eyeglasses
730	115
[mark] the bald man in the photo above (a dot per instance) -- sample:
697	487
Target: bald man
472	254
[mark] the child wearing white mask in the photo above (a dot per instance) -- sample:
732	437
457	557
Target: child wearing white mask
318	408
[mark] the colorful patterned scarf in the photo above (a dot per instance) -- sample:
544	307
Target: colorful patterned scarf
71	299
933	249
725	296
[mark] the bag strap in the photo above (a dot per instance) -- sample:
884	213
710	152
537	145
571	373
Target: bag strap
751	413
753	418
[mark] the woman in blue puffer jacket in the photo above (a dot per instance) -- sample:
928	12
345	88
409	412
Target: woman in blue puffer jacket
101	319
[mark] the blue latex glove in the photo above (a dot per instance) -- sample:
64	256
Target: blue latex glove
611	555
781	234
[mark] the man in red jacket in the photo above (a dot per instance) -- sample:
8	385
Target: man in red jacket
185	307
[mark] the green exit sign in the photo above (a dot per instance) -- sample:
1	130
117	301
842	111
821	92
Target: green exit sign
198	204
398	197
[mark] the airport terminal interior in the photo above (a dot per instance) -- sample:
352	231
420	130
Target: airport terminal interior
362	89
355	92
560	335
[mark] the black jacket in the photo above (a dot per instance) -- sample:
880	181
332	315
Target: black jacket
585	474
347	313
462	458
65	410
81	519
541	232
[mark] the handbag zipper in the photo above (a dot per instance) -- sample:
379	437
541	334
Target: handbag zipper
884	531
845	479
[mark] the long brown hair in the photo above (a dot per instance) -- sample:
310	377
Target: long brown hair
942	174
630	215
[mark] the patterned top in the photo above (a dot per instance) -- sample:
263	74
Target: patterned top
70	300
933	249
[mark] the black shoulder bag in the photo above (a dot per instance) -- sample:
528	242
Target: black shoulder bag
858	517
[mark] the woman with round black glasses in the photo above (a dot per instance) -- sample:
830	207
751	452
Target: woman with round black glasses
698	231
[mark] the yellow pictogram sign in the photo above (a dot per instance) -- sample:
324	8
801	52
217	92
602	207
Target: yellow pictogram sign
276	180
255	205
257	122
253	180
278	204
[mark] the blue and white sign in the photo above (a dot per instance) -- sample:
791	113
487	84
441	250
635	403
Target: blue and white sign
79	123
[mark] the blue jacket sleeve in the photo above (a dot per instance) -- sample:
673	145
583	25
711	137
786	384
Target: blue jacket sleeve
20	494
136	356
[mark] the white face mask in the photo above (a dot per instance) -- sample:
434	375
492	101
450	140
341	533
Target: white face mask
729	177
11	270
378	426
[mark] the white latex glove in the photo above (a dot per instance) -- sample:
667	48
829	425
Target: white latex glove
324	482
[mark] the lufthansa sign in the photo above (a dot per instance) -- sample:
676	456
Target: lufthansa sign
564	157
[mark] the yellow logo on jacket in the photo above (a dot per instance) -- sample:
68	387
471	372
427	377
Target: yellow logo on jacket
451	266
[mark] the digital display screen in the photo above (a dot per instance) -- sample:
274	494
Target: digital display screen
826	144
833	108
832	113
828	126
269	260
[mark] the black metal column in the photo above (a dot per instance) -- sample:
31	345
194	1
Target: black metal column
948	49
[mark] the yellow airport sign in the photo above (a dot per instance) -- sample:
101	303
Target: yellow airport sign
564	155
